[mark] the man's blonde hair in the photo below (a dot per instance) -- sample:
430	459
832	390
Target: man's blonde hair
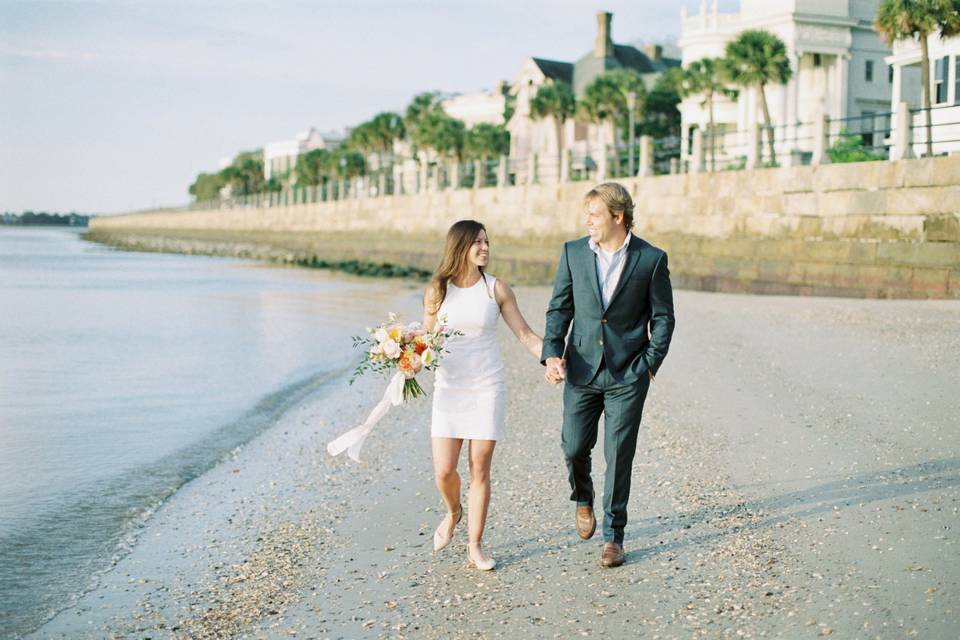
617	199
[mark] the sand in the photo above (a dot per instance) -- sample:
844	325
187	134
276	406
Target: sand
796	477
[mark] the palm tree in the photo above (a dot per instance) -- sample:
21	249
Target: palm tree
439	132
555	99
420	107
308	169
363	138
707	77
447	137
605	99
661	117
207	186
348	163
484	140
245	173
755	59
386	128
899	19
316	167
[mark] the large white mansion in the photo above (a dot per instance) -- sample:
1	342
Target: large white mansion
837	59
944	91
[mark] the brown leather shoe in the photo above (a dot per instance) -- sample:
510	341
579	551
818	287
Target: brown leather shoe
612	555
586	522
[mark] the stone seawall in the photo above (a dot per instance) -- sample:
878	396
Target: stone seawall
874	229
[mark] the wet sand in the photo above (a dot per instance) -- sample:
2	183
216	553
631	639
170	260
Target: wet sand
797	477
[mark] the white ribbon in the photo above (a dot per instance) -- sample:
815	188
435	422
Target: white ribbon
352	440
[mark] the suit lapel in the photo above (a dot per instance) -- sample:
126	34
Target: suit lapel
591	258
630	263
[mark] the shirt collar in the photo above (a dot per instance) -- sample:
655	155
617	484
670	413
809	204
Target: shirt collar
596	248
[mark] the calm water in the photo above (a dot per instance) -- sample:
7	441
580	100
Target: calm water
125	375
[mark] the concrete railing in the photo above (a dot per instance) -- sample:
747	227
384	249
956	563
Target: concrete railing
870	228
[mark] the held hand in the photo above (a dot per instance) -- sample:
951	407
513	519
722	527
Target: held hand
550	375
556	370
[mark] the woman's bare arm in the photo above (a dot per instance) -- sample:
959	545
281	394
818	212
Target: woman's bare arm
515	320
430	296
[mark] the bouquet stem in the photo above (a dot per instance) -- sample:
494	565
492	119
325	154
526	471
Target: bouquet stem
411	389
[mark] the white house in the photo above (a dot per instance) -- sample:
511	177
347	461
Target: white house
280	158
474	108
538	137
837	59
944	91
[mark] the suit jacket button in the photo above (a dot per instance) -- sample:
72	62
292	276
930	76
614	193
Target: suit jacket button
603	320
601	341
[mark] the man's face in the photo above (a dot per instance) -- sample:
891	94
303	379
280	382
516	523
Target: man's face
601	224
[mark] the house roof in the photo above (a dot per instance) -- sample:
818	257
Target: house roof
624	57
555	70
633	58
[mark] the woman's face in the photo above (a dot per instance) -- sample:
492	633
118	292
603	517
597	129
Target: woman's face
479	252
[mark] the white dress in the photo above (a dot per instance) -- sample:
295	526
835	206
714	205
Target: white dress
469	397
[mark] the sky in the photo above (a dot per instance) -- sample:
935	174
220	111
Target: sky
116	106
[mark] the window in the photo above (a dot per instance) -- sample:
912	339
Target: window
890	73
817	61
956	80
940	80
866	127
868	71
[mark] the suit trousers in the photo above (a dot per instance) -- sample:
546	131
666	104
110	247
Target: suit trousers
622	407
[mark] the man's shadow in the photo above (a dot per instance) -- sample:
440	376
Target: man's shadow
762	513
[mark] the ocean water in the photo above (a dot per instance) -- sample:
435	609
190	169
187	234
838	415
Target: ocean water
125	375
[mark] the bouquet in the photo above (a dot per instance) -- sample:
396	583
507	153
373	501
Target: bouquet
408	349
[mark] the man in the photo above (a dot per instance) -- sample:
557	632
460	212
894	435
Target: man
615	289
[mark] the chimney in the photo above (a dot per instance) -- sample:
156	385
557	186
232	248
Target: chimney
654	52
604	46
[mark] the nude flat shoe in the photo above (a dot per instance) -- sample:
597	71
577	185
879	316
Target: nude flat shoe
440	540
480	561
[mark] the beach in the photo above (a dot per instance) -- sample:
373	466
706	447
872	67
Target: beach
796	477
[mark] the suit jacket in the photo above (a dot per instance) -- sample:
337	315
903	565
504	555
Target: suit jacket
632	335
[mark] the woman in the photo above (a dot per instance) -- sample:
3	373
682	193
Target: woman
469	398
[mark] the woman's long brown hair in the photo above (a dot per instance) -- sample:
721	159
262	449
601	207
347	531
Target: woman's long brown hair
454	261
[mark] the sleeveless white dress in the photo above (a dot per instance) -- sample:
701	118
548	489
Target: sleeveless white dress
469	397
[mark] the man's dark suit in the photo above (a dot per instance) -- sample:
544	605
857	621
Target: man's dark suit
609	354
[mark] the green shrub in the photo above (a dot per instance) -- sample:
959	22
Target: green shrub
851	148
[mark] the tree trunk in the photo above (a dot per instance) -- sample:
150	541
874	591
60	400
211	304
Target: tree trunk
559	125
613	144
769	127
713	155
925	80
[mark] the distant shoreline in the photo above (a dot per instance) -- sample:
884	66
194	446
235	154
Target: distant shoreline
45	224
45	219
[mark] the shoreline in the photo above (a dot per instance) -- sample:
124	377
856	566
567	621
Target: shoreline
352	301
245	549
762	483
